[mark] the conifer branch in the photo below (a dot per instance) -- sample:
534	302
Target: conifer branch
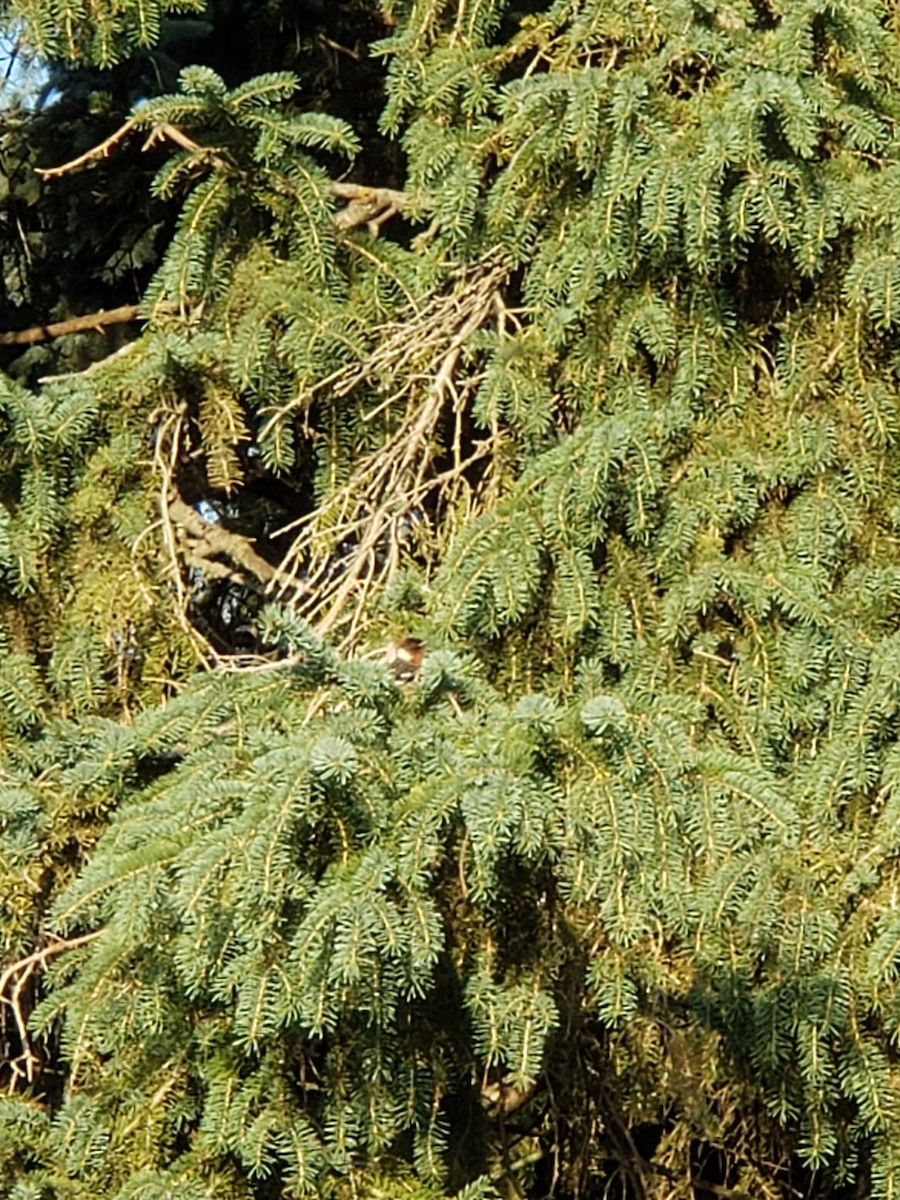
663	778
366	205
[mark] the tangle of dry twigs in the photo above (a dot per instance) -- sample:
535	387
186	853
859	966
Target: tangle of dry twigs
370	515
14	981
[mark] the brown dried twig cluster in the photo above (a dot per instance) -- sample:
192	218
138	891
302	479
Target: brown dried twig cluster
16	980
369	516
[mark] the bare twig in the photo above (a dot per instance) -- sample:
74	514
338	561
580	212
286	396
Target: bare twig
97	320
369	206
14	980
89	156
102	150
338	48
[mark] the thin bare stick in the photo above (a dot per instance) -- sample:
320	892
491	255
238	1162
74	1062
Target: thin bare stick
115	139
97	320
122	315
89	156
369	206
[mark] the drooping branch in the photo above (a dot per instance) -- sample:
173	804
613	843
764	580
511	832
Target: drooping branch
353	540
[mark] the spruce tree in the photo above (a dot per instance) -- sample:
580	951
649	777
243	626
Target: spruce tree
568	350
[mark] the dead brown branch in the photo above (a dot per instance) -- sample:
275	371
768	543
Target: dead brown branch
374	509
92	155
122	315
96	320
205	544
157	133
13	982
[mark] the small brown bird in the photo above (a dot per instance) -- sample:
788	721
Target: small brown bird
405	658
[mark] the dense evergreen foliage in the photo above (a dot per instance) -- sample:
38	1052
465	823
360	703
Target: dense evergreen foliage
561	337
